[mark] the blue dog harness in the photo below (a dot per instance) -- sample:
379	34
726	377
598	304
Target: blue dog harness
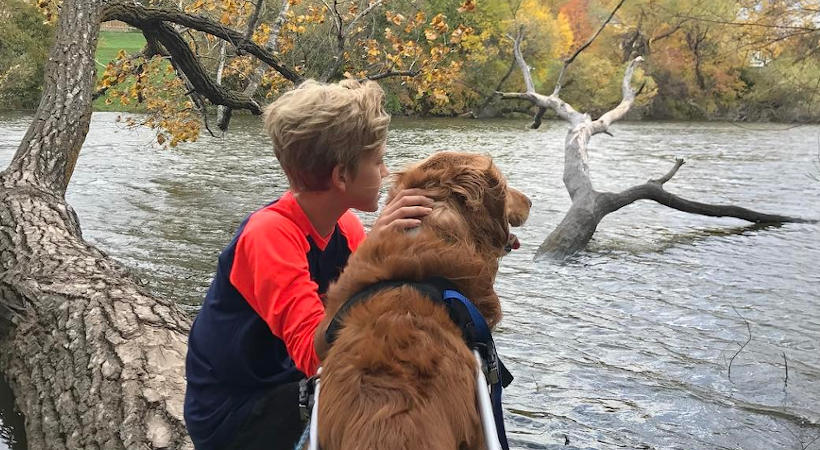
465	315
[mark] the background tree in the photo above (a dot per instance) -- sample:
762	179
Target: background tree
23	51
590	206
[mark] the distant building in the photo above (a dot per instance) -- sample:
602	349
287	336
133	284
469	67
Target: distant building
116	25
758	59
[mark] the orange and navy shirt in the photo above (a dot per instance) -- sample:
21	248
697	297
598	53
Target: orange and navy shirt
255	329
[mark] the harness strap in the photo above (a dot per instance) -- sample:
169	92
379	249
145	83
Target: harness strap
478	336
335	325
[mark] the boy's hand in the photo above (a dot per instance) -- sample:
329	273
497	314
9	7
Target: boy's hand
404	211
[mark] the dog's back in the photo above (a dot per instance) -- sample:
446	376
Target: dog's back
400	377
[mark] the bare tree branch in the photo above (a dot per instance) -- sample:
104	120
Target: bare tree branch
748	24
361	15
391	73
786	365
186	62
141	17
223	116
253	20
343	33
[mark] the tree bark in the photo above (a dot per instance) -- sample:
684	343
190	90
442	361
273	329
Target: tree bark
93	360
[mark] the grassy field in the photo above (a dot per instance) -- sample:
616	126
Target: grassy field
109	43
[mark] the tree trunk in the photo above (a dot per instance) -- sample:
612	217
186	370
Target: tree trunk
93	360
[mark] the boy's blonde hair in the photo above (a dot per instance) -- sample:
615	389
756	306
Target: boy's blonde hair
317	126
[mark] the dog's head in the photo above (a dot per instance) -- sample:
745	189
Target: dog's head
472	201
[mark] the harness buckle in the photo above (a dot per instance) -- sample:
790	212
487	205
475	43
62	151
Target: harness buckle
490	366
307	388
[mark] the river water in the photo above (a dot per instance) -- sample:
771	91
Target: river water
626	345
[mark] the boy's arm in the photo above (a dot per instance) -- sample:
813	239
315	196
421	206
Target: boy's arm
271	272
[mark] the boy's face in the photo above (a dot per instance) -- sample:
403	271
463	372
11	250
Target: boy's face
363	189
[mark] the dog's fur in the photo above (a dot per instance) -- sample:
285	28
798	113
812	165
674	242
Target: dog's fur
399	375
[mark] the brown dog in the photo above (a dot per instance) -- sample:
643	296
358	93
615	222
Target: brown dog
399	375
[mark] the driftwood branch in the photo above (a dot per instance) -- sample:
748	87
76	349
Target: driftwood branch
749	329
786	365
678	163
628	98
522	64
563	109
653	190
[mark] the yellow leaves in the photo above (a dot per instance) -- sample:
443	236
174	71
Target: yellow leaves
459	33
566	39
437	53
294	28
431	35
439	23
49	9
440	96
372	51
262	33
396	18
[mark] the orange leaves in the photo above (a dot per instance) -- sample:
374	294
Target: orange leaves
460	32
439	23
468	5
396	18
437	27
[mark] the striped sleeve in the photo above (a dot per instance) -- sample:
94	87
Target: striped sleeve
270	270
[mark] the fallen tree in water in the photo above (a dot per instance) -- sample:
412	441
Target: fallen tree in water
590	206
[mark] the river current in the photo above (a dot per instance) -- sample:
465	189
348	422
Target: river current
625	345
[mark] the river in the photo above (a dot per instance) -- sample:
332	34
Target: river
626	345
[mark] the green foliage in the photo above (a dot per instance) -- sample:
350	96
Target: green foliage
109	45
783	90
24	44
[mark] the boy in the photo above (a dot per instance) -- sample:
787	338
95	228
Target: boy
252	341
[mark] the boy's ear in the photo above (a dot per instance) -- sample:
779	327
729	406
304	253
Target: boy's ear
339	177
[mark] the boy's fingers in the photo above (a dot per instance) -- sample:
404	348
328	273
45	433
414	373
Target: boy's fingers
403	224
407	201
412	211
406	212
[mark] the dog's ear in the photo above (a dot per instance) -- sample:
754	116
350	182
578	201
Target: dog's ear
518	207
